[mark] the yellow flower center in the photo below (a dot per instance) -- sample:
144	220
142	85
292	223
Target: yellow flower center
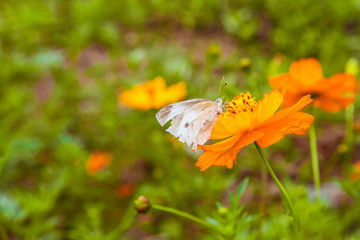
241	103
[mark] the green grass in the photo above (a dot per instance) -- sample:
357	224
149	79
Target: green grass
63	64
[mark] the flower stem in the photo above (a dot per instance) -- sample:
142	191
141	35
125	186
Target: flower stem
188	216
315	161
281	188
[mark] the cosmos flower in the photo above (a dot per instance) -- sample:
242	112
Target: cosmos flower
125	190
305	77
246	121
97	162
152	94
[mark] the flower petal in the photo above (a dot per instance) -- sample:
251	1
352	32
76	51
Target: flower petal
207	159
224	153
222	145
292	88
136	98
303	102
267	107
337	92
338	84
172	94
308	71
227	126
152	94
279	82
333	104
294	123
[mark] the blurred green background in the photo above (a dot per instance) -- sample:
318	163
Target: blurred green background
63	64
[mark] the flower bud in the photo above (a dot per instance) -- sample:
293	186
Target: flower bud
213	52
222	210
244	63
142	204
352	66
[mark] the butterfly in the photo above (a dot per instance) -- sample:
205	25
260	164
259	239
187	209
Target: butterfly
192	120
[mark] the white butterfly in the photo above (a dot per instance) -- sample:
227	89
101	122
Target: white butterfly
192	120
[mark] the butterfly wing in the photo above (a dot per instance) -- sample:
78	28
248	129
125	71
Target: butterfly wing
171	111
194	124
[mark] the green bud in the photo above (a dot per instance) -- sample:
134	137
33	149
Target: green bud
142	204
213	52
222	210
244	63
352	66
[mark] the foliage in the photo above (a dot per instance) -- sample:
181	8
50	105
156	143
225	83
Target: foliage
63	64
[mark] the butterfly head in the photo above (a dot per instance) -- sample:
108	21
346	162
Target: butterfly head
219	105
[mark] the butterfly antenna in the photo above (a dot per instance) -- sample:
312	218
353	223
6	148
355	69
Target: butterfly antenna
221	85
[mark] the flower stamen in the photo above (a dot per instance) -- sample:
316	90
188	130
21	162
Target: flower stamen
241	103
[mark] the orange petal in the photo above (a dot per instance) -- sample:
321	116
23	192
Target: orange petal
292	97
279	82
224	153
174	93
292	88
136	98
208	159
152	94
303	102
337	92
308	71
333	104
294	123
230	156
285	82
97	162
227	126
339	83
227	159
267	107
248	138
156	84
270	139
222	145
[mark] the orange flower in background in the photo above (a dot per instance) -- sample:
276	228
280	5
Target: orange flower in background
355	176
247	121
125	190
152	94
97	162
305	77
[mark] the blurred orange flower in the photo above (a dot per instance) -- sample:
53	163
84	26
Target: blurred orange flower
247	121
125	190
305	77
355	175
97	162
152	94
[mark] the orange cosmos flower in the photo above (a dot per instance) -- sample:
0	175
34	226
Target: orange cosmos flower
247	121
125	190
97	162
305	77
152	94
355	175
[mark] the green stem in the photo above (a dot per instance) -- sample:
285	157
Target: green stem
188	216
349	138
315	161
281	188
